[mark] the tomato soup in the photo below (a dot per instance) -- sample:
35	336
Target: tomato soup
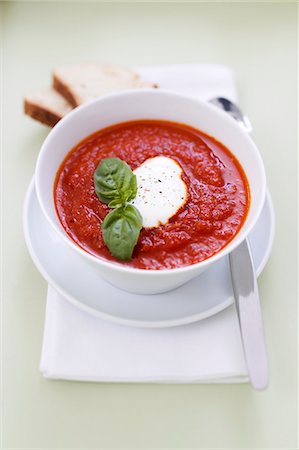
216	207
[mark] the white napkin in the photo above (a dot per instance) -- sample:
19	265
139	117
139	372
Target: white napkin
78	346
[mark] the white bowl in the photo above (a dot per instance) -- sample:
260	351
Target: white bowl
147	104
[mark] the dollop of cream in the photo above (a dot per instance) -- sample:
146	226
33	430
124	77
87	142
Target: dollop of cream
161	190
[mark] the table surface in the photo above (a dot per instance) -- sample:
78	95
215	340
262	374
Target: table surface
259	42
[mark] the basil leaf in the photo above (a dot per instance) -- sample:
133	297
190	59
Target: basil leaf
133	188
115	204
120	229
115	184
115	181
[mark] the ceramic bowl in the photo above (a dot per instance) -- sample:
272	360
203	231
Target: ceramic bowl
136	105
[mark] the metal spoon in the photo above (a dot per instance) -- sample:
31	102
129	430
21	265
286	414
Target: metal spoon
233	110
245	286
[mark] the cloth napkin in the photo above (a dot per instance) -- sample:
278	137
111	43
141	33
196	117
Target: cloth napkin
78	346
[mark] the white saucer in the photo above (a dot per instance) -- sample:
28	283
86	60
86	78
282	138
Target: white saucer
79	283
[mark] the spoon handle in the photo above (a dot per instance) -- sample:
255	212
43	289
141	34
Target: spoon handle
249	313
245	286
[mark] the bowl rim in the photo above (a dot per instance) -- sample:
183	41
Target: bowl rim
117	266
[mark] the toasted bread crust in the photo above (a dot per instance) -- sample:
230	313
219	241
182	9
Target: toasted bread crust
64	90
41	114
83	82
76	84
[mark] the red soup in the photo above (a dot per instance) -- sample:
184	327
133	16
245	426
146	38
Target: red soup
216	207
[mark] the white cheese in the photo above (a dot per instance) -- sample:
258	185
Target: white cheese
161	190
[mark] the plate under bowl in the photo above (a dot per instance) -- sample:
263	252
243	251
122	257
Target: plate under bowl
81	284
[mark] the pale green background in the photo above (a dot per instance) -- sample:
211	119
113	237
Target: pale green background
259	41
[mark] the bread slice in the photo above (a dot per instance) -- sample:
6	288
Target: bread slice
80	83
46	106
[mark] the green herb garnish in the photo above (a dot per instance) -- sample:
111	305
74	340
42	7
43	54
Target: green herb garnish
121	228
114	182
116	185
